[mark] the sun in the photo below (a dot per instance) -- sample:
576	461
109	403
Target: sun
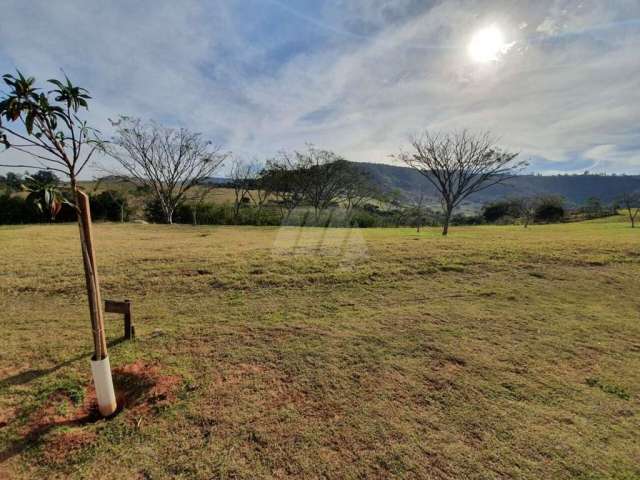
487	45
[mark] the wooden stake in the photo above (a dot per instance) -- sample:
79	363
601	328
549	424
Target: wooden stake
129	329
91	276
114	306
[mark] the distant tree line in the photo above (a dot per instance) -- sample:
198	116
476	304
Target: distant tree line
172	169
268	195
47	200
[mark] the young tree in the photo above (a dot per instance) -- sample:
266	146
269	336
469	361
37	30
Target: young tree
47	127
169	161
631	202
526	207
460	164
418	211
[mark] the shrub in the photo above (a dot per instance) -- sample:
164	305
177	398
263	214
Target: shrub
363	219
16	210
497	211
153	211
110	205
462	219
253	216
205	214
550	210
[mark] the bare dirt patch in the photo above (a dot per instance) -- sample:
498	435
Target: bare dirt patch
61	445
140	390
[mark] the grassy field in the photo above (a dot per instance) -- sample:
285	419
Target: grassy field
499	352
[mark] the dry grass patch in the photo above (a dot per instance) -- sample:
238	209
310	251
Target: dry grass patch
498	352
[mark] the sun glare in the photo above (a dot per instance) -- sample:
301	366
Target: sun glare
487	45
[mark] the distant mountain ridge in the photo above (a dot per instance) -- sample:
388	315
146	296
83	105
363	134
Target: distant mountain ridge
576	189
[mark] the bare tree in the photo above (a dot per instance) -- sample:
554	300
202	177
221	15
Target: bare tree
460	164
631	202
327	177
358	187
169	161
526	208
261	191
418	210
315	177
242	179
286	176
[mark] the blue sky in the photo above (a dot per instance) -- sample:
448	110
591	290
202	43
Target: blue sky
354	76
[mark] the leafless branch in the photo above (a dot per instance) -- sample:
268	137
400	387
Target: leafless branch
460	164
169	161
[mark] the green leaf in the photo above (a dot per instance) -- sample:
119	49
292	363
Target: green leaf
29	121
57	83
66	201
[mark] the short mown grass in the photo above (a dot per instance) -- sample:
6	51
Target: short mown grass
498	352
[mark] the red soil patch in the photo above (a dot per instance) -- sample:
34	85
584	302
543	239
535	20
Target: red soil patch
6	416
64	444
140	390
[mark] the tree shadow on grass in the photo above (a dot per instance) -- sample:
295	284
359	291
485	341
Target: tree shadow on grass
30	375
34	436
138	387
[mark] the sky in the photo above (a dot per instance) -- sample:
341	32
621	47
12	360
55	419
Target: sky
359	77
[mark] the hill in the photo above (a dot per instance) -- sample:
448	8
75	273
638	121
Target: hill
576	189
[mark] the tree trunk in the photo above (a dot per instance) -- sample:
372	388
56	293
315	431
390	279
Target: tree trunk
447	220
100	367
91	275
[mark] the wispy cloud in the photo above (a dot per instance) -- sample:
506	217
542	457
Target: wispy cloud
355	76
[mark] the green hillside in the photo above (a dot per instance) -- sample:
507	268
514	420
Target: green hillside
574	188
